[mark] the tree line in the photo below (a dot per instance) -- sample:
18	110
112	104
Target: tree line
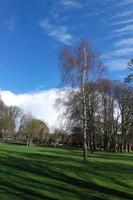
109	116
20	128
99	111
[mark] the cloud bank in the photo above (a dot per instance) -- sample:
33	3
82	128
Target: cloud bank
40	104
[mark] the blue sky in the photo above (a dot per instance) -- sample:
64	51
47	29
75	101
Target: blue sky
32	33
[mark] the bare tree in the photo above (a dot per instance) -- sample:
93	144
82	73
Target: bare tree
124	98
80	65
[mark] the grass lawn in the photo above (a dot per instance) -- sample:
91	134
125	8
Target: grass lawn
51	173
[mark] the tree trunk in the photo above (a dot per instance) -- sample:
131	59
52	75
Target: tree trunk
91	147
30	141
27	142
84	111
94	139
129	148
85	151
126	147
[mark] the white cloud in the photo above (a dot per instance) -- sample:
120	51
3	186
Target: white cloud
119	53
125	2
117	64
123	22
71	3
123	14
125	43
41	104
58	32
127	28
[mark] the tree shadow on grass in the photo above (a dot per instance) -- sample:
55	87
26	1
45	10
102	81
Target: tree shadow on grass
110	156
52	177
57	191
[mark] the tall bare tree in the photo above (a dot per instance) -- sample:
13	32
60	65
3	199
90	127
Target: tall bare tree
80	65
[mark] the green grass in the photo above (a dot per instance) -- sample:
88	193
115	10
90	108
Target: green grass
39	173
